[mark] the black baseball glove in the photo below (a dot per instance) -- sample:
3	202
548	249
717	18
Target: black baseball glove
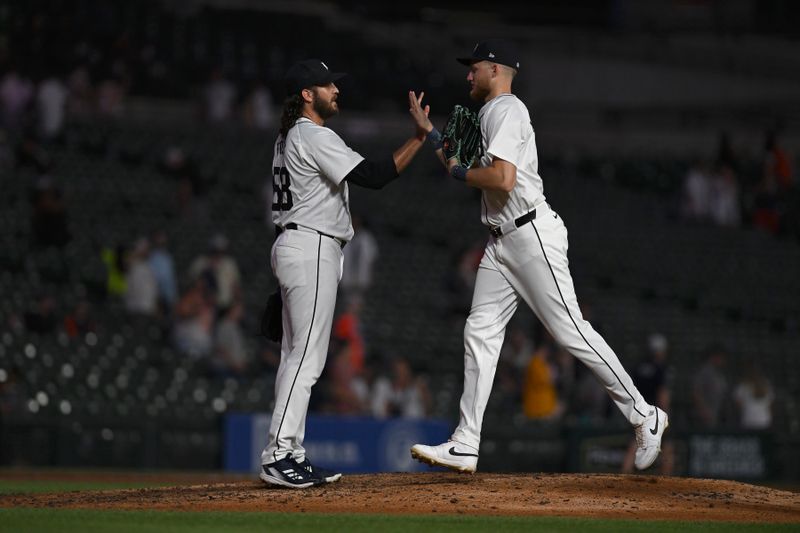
462	137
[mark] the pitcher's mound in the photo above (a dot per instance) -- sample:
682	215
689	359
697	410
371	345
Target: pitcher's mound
601	496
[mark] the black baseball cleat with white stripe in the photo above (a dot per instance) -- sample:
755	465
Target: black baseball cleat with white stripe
287	472
325	474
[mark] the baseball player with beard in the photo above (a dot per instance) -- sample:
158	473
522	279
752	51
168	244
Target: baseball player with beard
312	168
525	258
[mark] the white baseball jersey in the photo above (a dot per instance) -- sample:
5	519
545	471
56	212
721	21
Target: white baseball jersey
508	135
308	168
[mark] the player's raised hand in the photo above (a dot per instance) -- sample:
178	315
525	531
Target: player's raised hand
419	114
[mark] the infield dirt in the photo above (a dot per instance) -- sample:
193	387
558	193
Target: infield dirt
584	495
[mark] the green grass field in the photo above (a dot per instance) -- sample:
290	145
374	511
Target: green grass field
33	520
68	520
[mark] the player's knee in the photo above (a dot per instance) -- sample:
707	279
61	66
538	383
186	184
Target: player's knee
480	327
472	326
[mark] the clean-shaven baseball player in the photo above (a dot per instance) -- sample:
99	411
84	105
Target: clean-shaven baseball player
525	258
312	168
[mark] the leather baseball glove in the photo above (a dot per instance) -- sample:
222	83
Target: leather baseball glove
462	137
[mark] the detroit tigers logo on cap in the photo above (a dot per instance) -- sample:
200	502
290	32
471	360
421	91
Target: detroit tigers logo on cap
498	51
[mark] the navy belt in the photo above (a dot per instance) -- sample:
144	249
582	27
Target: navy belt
292	225
498	231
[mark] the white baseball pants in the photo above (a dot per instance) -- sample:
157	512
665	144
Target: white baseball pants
308	267
531	263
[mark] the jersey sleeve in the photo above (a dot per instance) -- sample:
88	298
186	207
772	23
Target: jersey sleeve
505	134
333	157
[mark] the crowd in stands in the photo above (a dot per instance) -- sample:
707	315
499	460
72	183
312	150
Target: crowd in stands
544	382
38	105
728	193
90	57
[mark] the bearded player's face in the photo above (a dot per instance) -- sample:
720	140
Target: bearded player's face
479	78
324	102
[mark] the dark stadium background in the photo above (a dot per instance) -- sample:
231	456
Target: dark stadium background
628	99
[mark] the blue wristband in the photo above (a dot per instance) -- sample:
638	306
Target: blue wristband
435	138
459	173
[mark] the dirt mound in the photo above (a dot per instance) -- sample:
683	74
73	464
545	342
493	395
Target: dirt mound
600	496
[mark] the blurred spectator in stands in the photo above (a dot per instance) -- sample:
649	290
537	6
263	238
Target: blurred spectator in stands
258	110
195	319
363	381
51	100
31	153
725	207
116	262
49	222
176	164
16	94
13	400
590	402
697	192
359	257
517	348
776	180
222	268
401	394
6	152
141	296
726	154
230	350
710	390
163	267
653	378
347	328
80	321
460	280
269	359
539	393
80	100
111	96
342	394
219	95
507	387
42	318
777	164
754	396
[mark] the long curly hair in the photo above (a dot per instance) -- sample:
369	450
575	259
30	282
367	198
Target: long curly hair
292	110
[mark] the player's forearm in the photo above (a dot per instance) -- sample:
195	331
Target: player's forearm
403	155
373	174
490	179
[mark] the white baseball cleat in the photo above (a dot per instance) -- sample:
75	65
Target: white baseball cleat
451	454
648	438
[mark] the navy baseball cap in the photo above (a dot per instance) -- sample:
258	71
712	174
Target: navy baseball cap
495	50
309	73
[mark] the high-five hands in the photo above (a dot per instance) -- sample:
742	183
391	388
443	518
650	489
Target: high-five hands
419	114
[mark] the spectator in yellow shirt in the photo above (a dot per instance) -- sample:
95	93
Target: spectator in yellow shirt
539	394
